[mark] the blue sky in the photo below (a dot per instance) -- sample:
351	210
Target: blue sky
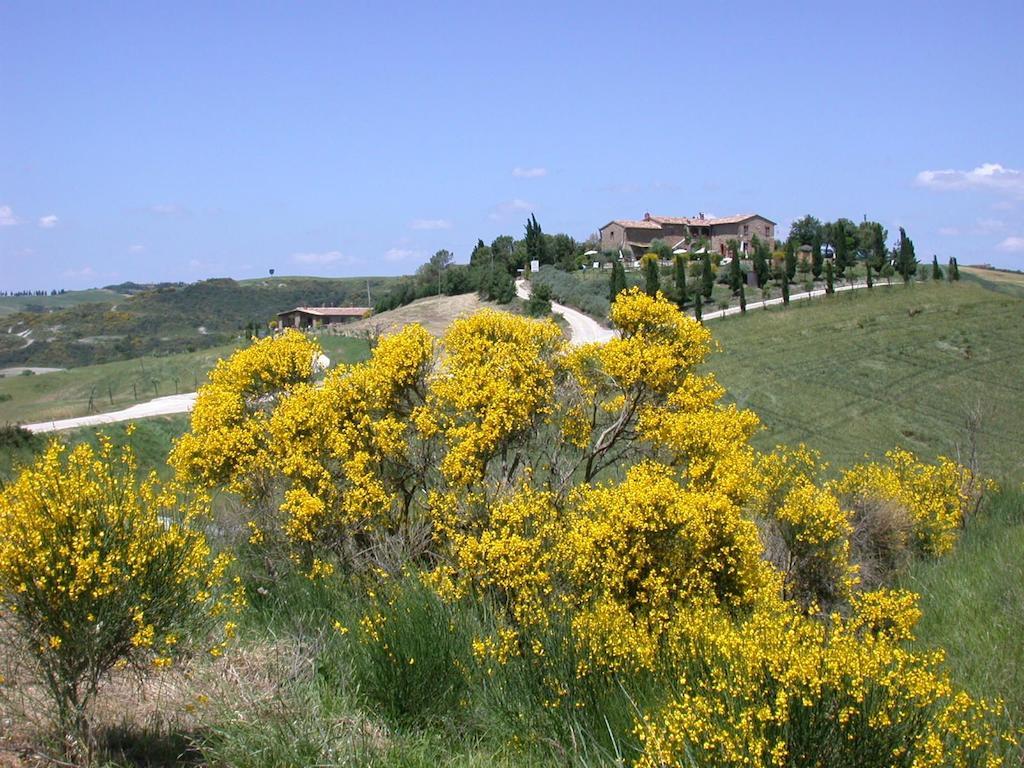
178	141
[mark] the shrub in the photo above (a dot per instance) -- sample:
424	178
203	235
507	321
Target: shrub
97	569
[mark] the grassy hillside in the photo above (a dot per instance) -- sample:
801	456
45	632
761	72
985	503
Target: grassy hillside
10	305
862	372
167	319
113	386
973	603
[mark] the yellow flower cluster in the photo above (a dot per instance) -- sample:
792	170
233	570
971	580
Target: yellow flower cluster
933	495
496	385
781	689
227	442
97	568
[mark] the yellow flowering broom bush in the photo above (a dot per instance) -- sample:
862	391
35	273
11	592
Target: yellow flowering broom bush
98	569
605	506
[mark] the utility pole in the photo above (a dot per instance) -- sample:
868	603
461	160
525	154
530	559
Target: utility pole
369	301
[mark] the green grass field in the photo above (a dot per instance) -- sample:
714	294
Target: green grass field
862	372
12	304
973	603
113	386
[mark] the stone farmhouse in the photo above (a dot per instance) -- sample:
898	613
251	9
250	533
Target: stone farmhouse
315	317
634	237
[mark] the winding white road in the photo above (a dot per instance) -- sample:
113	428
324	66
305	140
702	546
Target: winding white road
160	406
582	328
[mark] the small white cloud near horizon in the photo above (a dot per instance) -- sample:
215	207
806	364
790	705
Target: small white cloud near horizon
399	254
501	210
49	221
136	248
529	173
1011	245
167	209
985	176
324	257
85	271
7	217
949	231
430	224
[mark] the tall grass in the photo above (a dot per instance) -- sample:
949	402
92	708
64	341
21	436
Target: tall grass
973	603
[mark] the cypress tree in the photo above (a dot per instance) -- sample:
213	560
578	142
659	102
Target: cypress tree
743	299
707	277
785	288
905	259
955	272
698	307
829	285
652	280
936	269
680	280
735	273
816	259
790	259
868	265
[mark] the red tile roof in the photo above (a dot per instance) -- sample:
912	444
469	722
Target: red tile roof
329	311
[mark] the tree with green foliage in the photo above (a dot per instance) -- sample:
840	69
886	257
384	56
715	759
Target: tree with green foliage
743	299
617	281
680	279
830	287
843	236
871	237
760	260
707	277
698	307
816	257
804	231
652	279
790	259
661	249
871	283
539	304
785	288
563	249
954	270
936	269
888	272
735	273
535	242
906	261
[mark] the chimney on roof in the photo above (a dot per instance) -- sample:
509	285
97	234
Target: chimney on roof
647	217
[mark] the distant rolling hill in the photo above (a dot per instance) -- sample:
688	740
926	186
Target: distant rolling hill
90	327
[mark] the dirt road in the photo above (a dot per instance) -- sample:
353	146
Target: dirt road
161	406
582	329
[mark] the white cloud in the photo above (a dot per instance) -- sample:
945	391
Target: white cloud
83	272
985	176
325	257
949	231
990	226
431	224
501	210
136	248
399	254
529	173
7	217
48	222
168	209
1012	245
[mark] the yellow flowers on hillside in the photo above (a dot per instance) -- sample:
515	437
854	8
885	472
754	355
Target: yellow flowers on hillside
604	505
97	568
